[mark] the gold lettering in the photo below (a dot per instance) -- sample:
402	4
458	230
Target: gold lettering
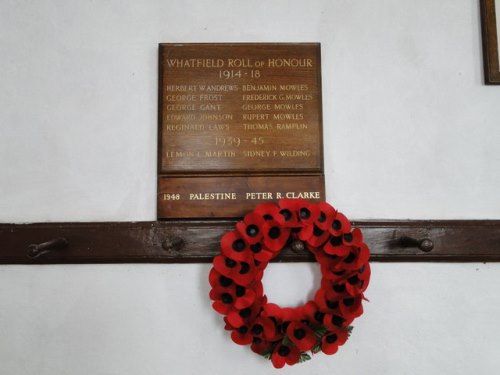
259	87
181	154
218	127
289	97
288	116
210	107
295	153
180	107
183	127
289	63
289	107
181	117
255	116
264	97
260	154
220	154
184	88
256	107
259	195
303	194
258	126
194	63
302	87
216	117
215	97
291	126
212	196
239	63
225	88
182	98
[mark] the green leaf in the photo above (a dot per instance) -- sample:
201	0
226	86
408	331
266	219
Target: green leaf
349	330
319	331
267	354
304	357
286	341
316	348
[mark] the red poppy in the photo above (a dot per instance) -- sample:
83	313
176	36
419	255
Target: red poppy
336	277
358	255
261	346
318	236
234	246
216	279
263	328
235	296
323	258
353	238
273	311
326	216
340	225
251	227
241	316
223	299
244	297
301	335
359	280
319	255
364	276
289	209
351	306
261	254
275	235
228	296
331	341
228	326
269	211
335	246
336	321
303	233
328	300
313	314
243	273
226	266
285	354
308	212
242	336
331	267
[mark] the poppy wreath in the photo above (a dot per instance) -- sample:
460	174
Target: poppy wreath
286	335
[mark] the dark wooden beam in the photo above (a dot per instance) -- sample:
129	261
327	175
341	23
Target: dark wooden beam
190	241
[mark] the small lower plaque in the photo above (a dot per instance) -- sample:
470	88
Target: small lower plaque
229	197
239	123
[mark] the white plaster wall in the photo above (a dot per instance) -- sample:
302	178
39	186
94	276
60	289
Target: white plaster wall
410	132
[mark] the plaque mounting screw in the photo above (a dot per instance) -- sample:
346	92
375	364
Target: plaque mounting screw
425	244
173	243
297	246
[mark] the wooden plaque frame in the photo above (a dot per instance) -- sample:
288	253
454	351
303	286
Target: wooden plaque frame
239	124
491	60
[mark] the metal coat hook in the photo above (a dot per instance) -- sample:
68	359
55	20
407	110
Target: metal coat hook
425	244
35	250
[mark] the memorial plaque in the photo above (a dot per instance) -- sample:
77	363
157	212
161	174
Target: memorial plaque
238	124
